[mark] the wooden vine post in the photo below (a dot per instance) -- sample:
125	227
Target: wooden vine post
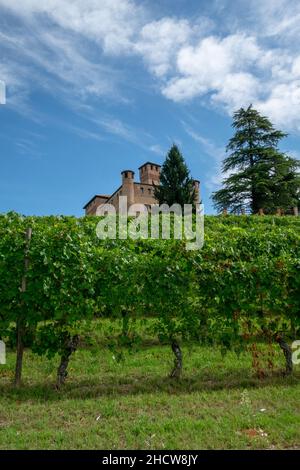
21	317
177	369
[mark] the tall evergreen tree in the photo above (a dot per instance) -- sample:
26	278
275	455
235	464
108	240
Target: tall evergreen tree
260	176
176	185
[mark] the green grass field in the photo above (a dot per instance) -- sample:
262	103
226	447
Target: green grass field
217	404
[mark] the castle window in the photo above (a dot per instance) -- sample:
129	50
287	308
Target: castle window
151	167
126	174
142	190
149	190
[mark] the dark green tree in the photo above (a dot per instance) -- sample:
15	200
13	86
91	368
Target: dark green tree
176	185
285	187
260	175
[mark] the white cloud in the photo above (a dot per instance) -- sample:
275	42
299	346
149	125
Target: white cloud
274	18
117	127
295	154
296	67
111	23
283	105
209	147
61	43
236	90
55	61
235	71
72	49
17	78
218	66
86	134
157	149
214	177
137	136
160	41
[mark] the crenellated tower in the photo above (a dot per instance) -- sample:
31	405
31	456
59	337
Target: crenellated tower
150	173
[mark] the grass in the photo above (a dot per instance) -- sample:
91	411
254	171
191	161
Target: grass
217	404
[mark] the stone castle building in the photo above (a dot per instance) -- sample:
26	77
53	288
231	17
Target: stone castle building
137	192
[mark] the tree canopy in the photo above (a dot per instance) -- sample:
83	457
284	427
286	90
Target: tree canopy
176	184
258	174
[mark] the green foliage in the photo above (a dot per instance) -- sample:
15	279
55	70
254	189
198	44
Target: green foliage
260	176
176	185
243	285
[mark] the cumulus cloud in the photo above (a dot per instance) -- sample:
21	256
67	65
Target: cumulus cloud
213	60
159	42
235	71
283	104
218	66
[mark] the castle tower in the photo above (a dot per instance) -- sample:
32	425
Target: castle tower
196	184
150	173
128	186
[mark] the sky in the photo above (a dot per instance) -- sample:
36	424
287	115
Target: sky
94	87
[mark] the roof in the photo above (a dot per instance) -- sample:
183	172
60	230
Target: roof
96	195
110	197
124	171
149	163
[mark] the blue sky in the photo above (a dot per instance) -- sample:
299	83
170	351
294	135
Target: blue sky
98	86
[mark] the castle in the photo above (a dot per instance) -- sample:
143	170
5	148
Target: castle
137	192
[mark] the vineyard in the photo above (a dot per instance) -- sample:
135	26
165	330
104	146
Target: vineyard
239	296
241	288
